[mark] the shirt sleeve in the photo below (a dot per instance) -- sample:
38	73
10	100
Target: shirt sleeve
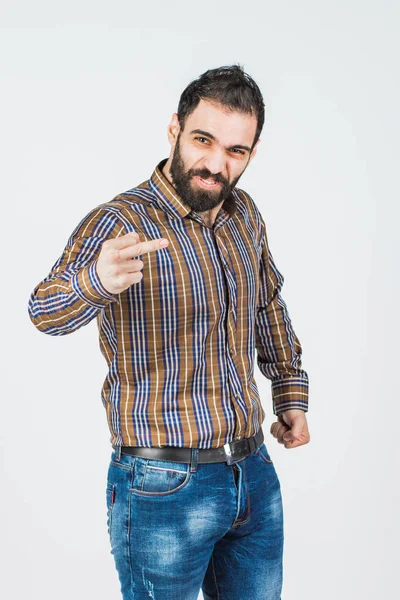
278	348
71	295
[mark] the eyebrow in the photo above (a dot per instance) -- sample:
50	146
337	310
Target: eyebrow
212	137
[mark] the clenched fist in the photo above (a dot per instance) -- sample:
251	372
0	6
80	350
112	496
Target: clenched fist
291	428
115	267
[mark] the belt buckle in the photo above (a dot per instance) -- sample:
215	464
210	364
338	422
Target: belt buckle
229	458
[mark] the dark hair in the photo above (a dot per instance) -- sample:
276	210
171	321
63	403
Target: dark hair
229	86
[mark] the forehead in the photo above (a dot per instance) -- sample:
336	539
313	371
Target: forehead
228	127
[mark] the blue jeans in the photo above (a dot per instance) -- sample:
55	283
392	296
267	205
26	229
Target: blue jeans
176	528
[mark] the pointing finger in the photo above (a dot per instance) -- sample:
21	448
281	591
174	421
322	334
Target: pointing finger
124	241
149	246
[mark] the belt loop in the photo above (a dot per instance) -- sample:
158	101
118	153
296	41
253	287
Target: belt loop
117	450
193	459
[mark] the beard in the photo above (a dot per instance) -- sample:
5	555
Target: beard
199	200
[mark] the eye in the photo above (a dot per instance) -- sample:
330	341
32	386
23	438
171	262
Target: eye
201	138
237	151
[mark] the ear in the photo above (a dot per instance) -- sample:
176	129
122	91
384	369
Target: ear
254	151
173	130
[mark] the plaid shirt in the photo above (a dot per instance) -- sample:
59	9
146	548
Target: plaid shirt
180	344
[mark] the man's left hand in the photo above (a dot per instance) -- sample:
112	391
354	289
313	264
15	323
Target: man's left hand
291	428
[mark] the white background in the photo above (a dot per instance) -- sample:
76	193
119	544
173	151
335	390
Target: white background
88	89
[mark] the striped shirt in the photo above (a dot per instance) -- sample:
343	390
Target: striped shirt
180	344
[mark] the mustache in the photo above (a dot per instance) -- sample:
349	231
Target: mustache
205	174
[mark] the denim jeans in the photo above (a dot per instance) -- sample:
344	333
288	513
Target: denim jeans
176	528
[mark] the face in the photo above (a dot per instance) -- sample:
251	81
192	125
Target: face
209	156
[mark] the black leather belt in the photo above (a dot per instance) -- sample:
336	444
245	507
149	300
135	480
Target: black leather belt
231	452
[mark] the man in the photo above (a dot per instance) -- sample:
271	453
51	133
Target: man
179	275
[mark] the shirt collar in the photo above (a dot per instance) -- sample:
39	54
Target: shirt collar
170	200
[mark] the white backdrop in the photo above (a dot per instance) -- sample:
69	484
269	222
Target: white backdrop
88	89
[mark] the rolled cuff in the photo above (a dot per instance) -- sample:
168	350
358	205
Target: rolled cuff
290	393
87	285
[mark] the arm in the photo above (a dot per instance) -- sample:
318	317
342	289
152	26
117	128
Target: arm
278	348
71	295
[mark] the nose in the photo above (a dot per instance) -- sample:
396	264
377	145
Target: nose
214	161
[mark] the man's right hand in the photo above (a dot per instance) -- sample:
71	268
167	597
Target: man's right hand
115	267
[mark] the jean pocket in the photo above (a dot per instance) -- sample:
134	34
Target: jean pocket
154	477
262	452
110	499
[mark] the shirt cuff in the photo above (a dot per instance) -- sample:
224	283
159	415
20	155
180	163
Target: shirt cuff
87	285
289	393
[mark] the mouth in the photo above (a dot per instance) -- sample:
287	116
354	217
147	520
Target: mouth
209	184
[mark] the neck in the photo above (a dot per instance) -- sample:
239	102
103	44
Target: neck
209	216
